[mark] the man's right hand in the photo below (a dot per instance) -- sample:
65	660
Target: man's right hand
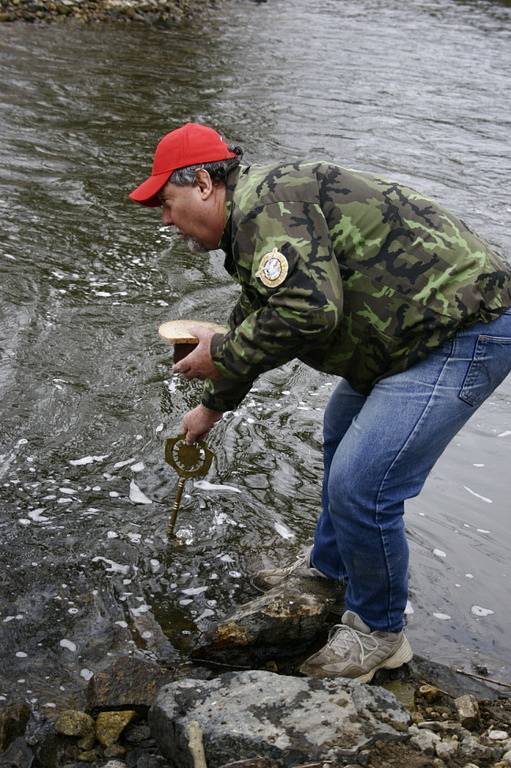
197	423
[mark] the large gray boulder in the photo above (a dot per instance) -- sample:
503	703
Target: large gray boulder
262	714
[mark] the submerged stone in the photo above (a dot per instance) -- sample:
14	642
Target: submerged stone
258	714
13	721
129	683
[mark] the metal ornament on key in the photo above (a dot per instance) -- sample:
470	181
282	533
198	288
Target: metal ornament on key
189	460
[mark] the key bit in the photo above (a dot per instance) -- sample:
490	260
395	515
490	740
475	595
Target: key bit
189	460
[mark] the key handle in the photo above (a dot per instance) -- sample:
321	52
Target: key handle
188	460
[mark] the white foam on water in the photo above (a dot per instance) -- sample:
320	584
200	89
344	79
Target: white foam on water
155	565
140	610
64	500
235	574
283	531
88	460
23	521
112	535
194	590
482	530
37	516
226	558
136	495
478	465
119	464
86	674
478	495
222	518
505	434
21	655
442	616
439	553
469	576
114	494
409	610
477	610
138	467
159	428
69	491
204	485
68	644
185	601
135	537
122	624
114	567
50	705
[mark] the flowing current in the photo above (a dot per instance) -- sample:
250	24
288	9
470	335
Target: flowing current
417	91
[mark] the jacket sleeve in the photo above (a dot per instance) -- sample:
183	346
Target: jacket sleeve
294	315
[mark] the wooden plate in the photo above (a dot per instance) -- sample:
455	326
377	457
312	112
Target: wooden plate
178	331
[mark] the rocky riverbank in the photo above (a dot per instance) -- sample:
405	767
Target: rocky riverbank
158	12
241	704
138	715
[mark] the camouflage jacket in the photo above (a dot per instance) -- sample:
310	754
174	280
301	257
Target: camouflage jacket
353	274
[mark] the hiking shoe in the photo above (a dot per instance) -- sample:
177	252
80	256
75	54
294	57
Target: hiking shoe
300	569
354	651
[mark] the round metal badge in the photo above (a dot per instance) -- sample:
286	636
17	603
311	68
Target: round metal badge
273	269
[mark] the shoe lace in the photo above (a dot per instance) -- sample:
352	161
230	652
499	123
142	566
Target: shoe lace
343	638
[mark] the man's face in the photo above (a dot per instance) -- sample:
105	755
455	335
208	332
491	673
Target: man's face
196	210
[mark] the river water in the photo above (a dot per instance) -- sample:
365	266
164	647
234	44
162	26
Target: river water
417	91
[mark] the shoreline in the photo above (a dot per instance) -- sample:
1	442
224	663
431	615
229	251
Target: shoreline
162	13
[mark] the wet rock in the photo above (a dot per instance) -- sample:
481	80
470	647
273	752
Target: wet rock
138	733
468	710
506	758
282	622
287	719
88	757
17	755
13	721
72	722
430	693
115	750
110	725
45	742
129	683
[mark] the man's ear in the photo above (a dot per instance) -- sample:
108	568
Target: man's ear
204	182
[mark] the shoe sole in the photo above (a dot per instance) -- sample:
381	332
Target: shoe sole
403	655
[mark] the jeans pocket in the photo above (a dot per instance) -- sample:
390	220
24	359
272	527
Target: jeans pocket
489	367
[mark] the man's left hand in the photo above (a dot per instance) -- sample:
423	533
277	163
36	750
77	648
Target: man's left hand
198	364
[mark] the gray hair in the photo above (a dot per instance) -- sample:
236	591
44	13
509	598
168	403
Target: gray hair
218	170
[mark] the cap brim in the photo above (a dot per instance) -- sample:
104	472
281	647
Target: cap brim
146	193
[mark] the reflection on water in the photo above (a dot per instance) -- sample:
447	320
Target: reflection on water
417	92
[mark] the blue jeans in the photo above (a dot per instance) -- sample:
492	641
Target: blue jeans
379	450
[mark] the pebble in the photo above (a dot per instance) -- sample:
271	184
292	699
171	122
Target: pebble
498	735
446	748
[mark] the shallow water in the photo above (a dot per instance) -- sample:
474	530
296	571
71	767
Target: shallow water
418	92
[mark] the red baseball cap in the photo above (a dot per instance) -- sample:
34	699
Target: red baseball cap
188	145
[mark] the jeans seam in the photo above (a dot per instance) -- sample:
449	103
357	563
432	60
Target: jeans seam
380	489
